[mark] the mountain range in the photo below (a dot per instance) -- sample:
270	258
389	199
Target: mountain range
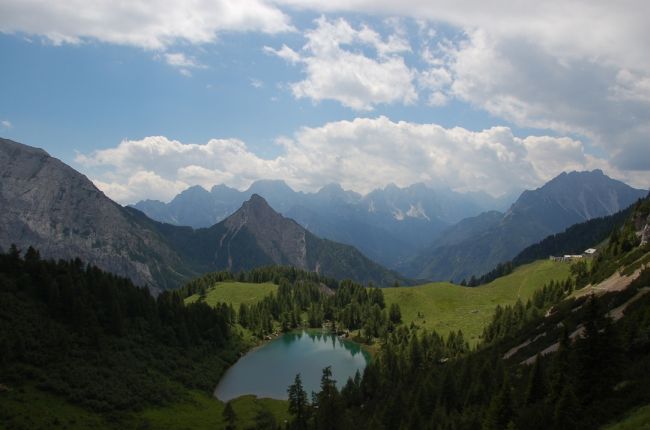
477	244
49	205
388	225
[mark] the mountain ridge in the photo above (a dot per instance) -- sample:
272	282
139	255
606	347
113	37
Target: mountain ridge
389	225
476	245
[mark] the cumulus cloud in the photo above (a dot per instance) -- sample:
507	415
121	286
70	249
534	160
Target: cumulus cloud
519	81
361	154
336	67
141	23
537	64
6	124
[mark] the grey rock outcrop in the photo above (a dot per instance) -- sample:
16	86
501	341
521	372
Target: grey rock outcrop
49	205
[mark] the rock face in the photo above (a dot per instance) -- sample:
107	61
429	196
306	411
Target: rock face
474	246
282	239
48	205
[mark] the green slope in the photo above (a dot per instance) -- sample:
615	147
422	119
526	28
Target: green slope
235	293
637	420
197	411
443	306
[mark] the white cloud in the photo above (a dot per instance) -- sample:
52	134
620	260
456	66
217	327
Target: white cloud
256	83
6	124
631	86
362	154
564	65
349	76
182	62
285	53
141	23
178	59
521	82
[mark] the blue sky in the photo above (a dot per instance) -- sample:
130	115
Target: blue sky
365	94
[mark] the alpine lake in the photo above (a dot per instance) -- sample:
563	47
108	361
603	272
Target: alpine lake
268	370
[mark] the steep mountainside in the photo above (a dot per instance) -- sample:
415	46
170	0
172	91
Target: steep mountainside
49	205
256	235
389	225
476	245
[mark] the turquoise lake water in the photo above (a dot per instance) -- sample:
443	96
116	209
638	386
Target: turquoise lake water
268	371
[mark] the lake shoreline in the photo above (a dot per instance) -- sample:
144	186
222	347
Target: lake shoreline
268	368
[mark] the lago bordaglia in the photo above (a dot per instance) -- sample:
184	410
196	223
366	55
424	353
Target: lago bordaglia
268	371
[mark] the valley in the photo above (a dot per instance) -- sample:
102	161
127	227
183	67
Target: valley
144	339
324	215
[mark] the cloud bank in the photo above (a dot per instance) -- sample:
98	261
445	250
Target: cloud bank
361	154
141	23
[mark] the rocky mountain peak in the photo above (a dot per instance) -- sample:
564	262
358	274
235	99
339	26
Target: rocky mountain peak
257	207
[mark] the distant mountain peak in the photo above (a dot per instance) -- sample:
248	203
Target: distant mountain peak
266	185
255	211
194	190
332	187
257	202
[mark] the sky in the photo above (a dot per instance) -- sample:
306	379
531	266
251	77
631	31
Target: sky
147	98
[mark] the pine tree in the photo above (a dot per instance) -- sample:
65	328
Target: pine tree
328	403
229	417
567	410
536	389
500	412
298	404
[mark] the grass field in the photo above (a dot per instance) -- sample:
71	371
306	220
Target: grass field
443	307
235	293
637	420
29	408
439	306
198	411
205	412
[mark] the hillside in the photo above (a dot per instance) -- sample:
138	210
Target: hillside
574	357
475	246
446	307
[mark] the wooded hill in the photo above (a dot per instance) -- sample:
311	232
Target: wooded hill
514	379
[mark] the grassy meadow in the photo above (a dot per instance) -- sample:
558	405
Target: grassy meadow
637	420
443	306
197	411
235	293
439	306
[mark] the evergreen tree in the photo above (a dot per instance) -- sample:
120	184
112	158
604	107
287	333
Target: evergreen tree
567	410
395	315
298	404
500	412
328	403
536	388
229	417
